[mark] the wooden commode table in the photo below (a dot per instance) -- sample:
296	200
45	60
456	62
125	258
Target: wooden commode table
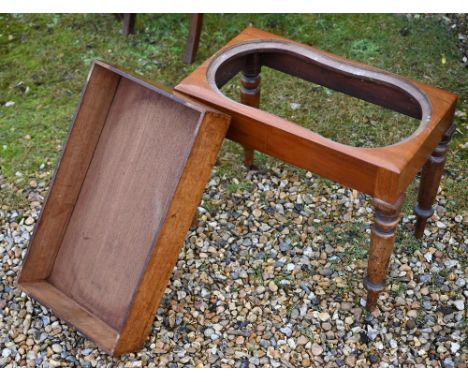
383	173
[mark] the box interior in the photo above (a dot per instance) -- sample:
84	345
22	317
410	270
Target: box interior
120	206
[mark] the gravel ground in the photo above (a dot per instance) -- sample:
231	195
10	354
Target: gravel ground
459	23
271	277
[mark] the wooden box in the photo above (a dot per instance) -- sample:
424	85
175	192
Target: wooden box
131	176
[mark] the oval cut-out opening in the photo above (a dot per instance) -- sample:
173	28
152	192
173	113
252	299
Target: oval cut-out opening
313	91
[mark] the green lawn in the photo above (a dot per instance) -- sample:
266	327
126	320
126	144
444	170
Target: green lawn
44	60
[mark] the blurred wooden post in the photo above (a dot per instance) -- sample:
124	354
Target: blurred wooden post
193	39
128	23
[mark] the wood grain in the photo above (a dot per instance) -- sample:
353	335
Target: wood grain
386	220
129	182
430	180
124	199
193	39
187	197
383	172
87	125
68	310
250	94
129	20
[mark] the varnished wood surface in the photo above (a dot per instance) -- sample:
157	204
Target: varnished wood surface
430	180
68	310
386	220
250	94
183	207
131	193
129	20
124	199
193	39
383	172
77	153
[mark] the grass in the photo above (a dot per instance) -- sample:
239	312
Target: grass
332	114
44	60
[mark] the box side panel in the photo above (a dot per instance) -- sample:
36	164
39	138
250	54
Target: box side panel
169	241
70	311
124	199
64	190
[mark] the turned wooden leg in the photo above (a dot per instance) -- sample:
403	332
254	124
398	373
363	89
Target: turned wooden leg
250	94
430	180
386	219
196	23
128	23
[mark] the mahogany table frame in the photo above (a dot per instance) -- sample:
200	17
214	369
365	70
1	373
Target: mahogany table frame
381	172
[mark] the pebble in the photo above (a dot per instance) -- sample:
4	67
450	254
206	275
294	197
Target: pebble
412	313
327	326
349	320
448	363
302	340
410	324
400	301
29	221
316	349
459	304
425	278
450	264
427	305
372	333
208	332
294	105
454	347
350	361
326	272
272	286
287	331
441	225
284	246
324	316
20	338
346	306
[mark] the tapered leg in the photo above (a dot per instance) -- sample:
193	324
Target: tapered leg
128	23
196	23
386	220
250	94
430	180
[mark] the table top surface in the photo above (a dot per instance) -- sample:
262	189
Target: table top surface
400	161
